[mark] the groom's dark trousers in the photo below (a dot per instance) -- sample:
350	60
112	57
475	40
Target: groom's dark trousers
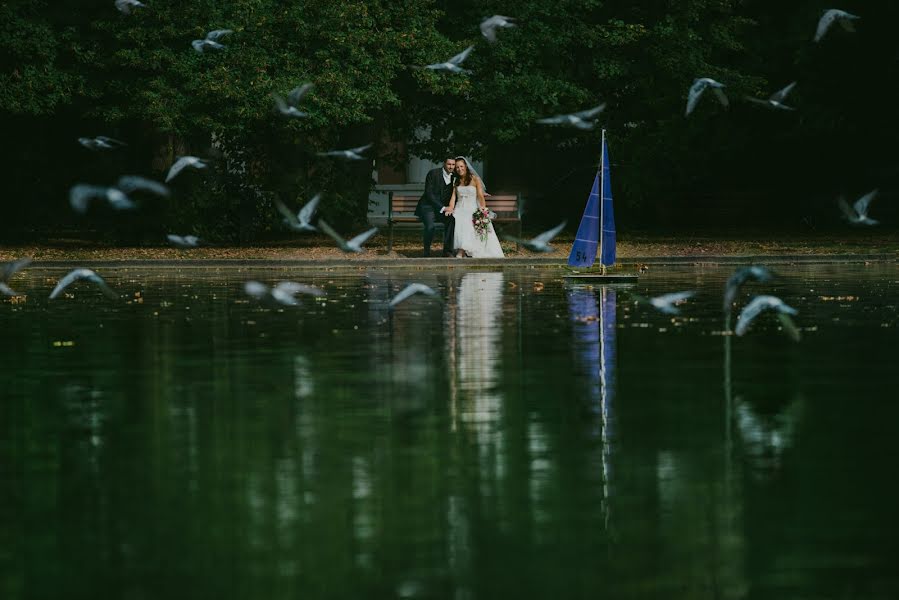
437	195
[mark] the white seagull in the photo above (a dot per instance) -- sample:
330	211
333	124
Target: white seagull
126	6
7	270
699	86
409	291
353	245
666	302
101	142
182	163
832	16
117	196
302	221
541	242
738	278
211	40
452	65
77	274
286	110
297	93
183	241
584	119
283	293
351	154
776	99
489	26
857	214
758	305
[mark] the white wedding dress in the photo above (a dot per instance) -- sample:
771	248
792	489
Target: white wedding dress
465	235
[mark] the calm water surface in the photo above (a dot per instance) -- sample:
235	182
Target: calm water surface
525	438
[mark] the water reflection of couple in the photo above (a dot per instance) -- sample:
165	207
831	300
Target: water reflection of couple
455	190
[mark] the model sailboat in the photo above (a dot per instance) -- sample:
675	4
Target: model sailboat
596	233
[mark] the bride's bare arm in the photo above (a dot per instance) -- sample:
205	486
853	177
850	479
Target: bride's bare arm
482	202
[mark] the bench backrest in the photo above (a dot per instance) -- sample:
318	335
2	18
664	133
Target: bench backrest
501	204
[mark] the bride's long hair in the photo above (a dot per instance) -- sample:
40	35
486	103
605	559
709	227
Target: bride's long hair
467	178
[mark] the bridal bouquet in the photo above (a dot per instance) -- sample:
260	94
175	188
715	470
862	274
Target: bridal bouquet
481	221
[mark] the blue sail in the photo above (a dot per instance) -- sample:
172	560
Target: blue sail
597	228
607	214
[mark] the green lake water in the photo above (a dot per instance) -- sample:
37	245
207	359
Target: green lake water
524	438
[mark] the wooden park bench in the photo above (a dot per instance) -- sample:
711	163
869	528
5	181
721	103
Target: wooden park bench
401	210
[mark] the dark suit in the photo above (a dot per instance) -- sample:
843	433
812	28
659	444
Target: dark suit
437	195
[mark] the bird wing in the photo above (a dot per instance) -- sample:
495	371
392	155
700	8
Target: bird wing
591	112
848	211
176	168
695	93
411	290
308	211
323	225
280	103
780	95
861	205
131	183
297	93
547	236
556	120
673	298
11	268
360	149
198	45
176	240
719	93
789	327
824	23
460	58
110	141
292	288
81	194
362	237
255	289
282	208
218	34
846	20
7	291
755	307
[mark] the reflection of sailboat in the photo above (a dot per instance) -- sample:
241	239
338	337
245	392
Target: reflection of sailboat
597	229
595	345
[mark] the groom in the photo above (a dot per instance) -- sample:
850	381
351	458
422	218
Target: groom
432	204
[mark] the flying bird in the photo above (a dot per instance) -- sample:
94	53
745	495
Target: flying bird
857	214
738	278
283	293
117	196
184	162
585	119
183	241
287	110
701	85
409	291
666	302
835	16
758	305
351	154
452	65
88	274
776	99
211	40
489	26
353	245
541	242
302	221
7	270
126	6
101	142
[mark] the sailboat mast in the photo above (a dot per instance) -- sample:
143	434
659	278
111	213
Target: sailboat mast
602	174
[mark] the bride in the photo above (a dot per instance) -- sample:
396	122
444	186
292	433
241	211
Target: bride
468	196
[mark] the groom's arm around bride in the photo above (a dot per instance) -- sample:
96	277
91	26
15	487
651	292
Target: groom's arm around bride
438	190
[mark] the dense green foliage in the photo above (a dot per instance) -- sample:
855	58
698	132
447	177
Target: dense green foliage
95	71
